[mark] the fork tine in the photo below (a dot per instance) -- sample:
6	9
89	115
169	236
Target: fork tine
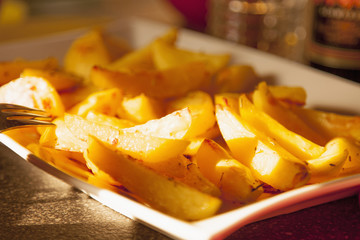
9	106
17	123
12	108
29	115
15	116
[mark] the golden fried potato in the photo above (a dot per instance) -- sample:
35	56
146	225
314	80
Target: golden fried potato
85	52
330	124
168	56
108	120
330	163
160	192
236	182
177	124
266	102
140	109
236	78
62	81
142	59
268	161
137	145
58	159
290	95
296	144
106	102
12	70
201	108
33	92
168	83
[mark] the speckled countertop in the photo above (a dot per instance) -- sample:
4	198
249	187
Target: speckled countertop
35	205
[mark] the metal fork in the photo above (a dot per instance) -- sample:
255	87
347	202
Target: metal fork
16	116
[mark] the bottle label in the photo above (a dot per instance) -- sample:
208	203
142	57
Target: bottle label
336	33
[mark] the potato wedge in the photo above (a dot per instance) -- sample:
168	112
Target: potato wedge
236	182
268	161
60	137
33	92
108	120
60	161
236	78
290	95
160	192
352	163
266	102
330	163
140	109
24	136
168	56
106	102
177	125
12	70
201	108
74	96
60	80
330	124
137	145
294	143
230	100
172	82
85	52
193	177
142	58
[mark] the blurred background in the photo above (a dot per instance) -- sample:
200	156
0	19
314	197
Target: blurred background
273	26
280	27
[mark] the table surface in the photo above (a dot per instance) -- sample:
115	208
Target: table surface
36	205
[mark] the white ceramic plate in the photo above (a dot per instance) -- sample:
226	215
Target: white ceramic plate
324	90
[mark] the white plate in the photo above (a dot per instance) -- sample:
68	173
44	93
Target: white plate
324	90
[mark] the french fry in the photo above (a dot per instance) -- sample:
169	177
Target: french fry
160	192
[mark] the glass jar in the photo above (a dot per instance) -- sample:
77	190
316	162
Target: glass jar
275	26
334	44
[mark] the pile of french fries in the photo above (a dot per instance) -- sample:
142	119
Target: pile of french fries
184	132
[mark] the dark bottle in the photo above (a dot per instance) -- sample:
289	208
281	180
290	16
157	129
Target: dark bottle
335	37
